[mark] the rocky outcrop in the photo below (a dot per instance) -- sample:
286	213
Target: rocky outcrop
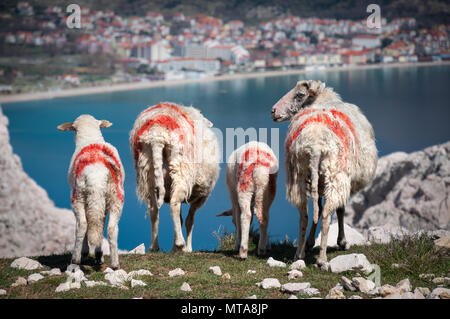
30	224
409	190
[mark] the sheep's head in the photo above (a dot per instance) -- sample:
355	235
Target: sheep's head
303	94
85	126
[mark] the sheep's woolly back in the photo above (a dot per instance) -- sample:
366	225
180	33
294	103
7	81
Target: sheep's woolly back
177	134
108	173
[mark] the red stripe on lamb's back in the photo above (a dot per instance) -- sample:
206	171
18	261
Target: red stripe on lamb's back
94	154
263	158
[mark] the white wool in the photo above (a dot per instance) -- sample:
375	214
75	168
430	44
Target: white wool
95	193
174	165
314	160
255	199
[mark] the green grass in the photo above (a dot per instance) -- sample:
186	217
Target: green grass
416	253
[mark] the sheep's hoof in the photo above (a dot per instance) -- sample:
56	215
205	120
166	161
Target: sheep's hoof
115	267
179	247
343	245
243	253
187	249
323	264
75	261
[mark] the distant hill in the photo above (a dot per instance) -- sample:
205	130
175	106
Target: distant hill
426	12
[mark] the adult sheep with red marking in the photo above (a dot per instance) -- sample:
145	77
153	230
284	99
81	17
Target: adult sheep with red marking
251	181
176	158
96	178
330	153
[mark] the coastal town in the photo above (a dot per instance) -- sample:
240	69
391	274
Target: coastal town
41	53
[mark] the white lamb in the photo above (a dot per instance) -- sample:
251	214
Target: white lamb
330	153
96	178
176	157
251	181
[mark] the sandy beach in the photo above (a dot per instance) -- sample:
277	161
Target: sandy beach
145	85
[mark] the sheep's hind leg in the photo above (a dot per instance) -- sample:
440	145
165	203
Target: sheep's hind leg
85	249
312	232
341	241
113	233
190	222
245	220
175	210
154	220
303	210
322	260
81	230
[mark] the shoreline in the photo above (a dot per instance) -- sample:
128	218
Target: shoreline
146	85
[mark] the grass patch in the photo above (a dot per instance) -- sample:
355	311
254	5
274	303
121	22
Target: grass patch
416	254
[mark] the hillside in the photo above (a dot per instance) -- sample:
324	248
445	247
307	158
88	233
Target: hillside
413	255
251	11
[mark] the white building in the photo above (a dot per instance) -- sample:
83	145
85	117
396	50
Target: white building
366	41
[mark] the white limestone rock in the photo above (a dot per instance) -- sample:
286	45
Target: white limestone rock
269	283
298	265
21	281
26	264
215	270
185	287
139	250
348	262
34	277
352	236
176	272
117	278
363	285
275	263
294	274
295	287
136	283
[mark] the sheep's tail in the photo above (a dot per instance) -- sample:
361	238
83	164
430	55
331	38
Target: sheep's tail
226	213
314	165
157	157
95	217
261	182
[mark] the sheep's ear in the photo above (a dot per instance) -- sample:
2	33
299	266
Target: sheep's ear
303	83
315	88
208	123
66	127
105	123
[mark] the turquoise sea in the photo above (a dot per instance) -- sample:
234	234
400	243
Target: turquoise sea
408	107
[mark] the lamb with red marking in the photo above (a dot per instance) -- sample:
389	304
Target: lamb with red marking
96	178
330	153
176	158
251	181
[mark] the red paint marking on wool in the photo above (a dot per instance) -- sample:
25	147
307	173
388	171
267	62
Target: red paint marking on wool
305	112
333	124
93	154
245	176
349	124
162	120
176	109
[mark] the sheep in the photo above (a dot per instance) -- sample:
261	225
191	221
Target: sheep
251	182
96	178
330	152
176	159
